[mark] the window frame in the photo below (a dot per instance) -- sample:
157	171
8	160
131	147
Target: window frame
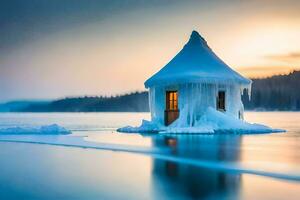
172	100
221	105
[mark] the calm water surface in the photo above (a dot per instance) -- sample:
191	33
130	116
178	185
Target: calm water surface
260	166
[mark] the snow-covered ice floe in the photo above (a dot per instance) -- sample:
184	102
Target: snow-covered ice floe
211	122
52	129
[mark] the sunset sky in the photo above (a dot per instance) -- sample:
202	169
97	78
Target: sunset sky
55	48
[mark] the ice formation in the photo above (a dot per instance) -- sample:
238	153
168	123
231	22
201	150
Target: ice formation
52	129
197	75
212	121
194	99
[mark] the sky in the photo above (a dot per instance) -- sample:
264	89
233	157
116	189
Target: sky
51	49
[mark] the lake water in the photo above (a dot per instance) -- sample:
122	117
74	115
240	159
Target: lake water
96	162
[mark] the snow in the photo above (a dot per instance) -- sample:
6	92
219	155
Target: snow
146	127
211	122
52	129
223	122
196	63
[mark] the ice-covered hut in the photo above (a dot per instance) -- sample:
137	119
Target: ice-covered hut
195	79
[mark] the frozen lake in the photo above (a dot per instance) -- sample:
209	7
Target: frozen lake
96	162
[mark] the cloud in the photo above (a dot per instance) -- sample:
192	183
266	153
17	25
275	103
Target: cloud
292	57
265	71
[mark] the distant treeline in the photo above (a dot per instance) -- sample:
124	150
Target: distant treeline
134	102
280	92
275	93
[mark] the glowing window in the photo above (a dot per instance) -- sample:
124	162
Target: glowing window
172	100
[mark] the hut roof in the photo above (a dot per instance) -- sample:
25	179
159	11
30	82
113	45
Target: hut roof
196	62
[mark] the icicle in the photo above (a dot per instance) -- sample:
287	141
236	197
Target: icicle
150	100
153	108
249	91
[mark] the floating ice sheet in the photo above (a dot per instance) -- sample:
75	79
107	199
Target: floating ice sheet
157	153
52	129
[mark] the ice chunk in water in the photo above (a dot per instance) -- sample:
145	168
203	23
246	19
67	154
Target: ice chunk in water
52	129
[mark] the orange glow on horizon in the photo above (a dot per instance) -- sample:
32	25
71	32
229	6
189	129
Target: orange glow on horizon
122	51
265	71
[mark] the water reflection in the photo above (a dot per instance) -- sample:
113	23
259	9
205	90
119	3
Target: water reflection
202	147
194	182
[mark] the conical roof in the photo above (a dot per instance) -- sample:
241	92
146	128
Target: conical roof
196	62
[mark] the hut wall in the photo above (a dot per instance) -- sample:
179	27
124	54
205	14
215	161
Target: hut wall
193	101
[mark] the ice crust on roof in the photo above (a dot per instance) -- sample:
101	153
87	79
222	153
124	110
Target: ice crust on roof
211	122
196	62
